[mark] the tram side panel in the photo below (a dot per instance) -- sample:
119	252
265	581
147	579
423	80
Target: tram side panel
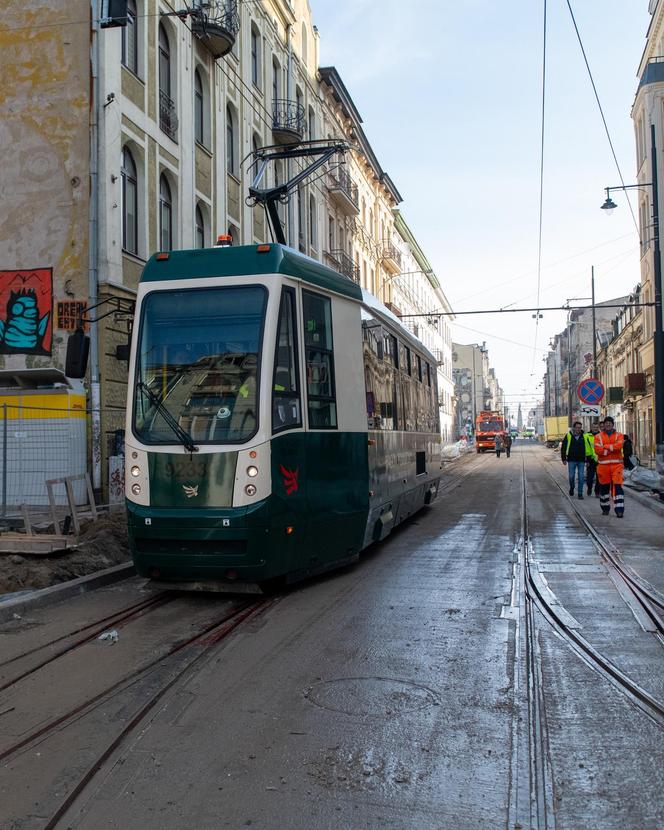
404	439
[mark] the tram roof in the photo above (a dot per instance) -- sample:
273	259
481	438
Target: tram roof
245	260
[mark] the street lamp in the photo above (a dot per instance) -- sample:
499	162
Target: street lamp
658	337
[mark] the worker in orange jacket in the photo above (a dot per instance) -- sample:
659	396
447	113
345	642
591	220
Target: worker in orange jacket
609	452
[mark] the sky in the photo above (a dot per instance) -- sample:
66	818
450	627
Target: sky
450	93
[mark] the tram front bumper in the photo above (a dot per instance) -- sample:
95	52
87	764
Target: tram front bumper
216	544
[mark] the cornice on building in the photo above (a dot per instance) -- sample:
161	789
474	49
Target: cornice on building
330	76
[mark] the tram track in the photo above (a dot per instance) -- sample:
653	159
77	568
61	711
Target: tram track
557	618
643	599
206	637
203	643
537	604
93	629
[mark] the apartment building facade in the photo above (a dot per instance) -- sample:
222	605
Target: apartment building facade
139	137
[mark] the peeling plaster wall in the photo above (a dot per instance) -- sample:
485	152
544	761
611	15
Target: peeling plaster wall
44	134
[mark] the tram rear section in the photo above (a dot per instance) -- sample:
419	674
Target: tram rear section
424	686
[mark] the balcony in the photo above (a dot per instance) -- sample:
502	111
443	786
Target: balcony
287	121
614	394
216	24
343	191
341	262
635	384
168	119
390	256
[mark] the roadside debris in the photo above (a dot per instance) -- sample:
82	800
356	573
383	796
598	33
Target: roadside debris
109	636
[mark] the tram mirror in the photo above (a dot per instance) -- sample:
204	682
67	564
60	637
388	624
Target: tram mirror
76	361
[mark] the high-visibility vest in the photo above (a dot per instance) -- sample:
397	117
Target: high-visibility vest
589	438
609	448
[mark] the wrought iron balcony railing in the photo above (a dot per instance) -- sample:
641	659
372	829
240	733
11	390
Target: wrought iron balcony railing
287	121
345	265
216	23
168	119
344	188
390	254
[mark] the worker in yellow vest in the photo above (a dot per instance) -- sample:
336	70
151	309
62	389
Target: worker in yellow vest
609	452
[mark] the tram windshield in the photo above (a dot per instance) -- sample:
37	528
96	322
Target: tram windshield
198	361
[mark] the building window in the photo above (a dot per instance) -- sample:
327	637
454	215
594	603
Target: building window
231	150
312	124
301	220
199	230
168	120
164	62
276	79
313	223
304	44
255	57
199	109
129	40
330	233
129	203
165	215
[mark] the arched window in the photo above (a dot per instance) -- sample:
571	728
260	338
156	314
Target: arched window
276	80
129	39
231	151
199	109
164	62
304	44
129	197
313	222
165	215
255	57
199	230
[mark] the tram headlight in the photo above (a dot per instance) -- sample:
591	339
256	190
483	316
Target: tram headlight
250	489
135	471
136	489
252	472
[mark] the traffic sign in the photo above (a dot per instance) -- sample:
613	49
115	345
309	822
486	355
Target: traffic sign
590	391
590	410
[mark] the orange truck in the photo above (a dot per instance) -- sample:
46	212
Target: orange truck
488	424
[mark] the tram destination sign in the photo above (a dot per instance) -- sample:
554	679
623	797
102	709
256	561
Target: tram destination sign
590	391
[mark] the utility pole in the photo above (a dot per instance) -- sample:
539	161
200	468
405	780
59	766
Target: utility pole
592	295
659	328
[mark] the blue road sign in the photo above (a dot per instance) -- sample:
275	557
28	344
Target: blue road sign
590	391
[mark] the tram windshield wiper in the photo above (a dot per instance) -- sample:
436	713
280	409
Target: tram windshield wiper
185	439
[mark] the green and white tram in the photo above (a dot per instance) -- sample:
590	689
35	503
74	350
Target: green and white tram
280	419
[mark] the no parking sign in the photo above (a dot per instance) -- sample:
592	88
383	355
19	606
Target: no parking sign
590	391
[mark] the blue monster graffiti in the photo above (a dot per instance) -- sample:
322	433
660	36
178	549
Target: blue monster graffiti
26	327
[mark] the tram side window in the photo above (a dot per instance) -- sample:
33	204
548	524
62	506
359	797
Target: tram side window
321	394
286	409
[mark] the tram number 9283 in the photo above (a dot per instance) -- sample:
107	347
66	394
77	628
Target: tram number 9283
183	469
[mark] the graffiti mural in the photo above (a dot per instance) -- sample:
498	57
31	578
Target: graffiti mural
26	311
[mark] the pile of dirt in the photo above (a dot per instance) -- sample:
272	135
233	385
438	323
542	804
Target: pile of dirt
102	544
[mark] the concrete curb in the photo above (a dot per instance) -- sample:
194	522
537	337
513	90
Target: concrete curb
648	501
63	590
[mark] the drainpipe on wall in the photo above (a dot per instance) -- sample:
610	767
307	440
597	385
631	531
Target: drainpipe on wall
93	211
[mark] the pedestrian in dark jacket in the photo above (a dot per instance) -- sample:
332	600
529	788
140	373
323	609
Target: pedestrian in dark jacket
628	452
508	444
499	444
573	454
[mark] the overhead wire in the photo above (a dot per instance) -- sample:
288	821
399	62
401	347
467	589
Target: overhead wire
601	112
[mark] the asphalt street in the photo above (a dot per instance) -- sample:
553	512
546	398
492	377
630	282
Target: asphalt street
408	691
